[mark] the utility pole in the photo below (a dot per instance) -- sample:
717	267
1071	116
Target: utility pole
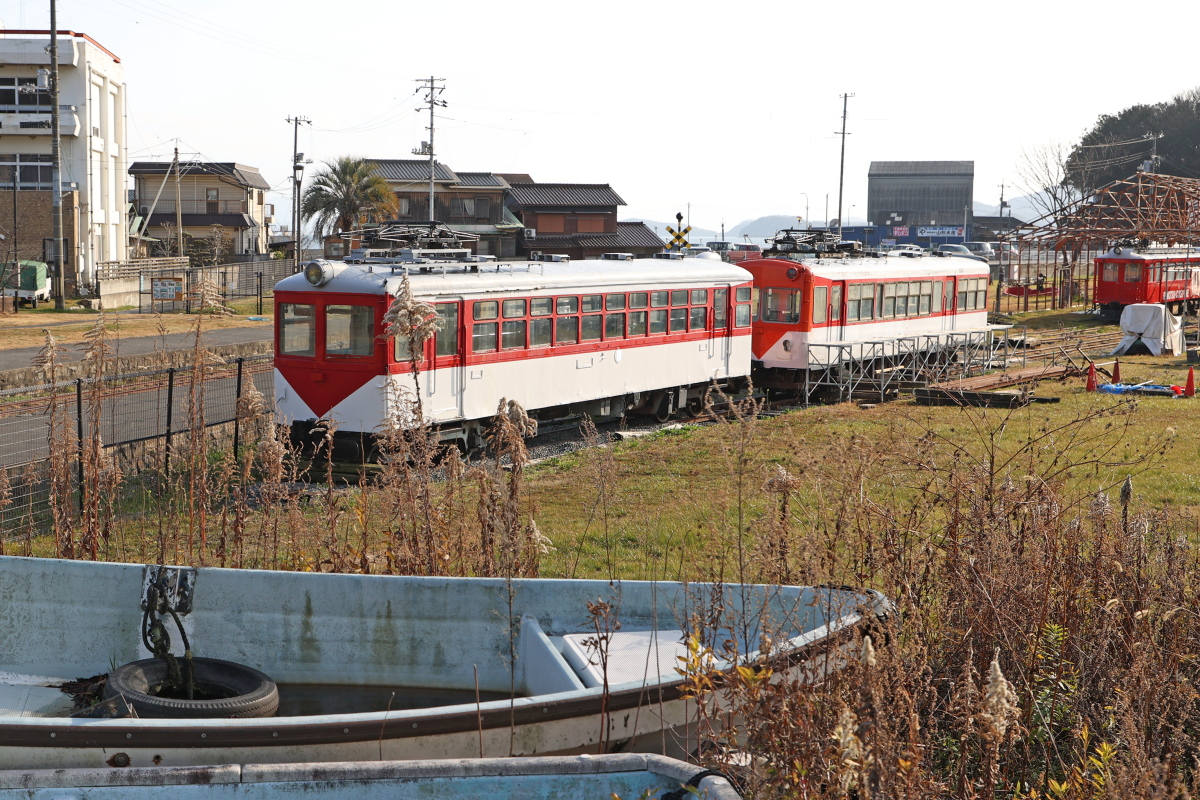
297	180
178	205
842	168
432	91
60	283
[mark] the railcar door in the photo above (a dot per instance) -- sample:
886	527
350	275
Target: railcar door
446	380
720	344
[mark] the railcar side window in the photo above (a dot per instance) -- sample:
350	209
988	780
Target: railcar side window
1133	273
540	332
679	318
781	305
614	302
658	299
742	294
1110	272
866	301
820	303
592	302
566	330
926	296
699	296
637	323
950	294
835	303
512	334
614	326
699	315
637	299
741	315
589	331
964	293
981	293
513	308
888	305
297	330
349	330
486	309
658	321
720	308
483	337
568	305
936	297
447	335
679	297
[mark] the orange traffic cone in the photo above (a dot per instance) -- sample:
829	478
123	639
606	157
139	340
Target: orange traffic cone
1091	382
1117	371
1189	389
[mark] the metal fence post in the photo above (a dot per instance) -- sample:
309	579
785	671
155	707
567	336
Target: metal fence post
259	275
187	291
79	432
237	418
170	405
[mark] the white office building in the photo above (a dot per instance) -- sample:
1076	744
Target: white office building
94	162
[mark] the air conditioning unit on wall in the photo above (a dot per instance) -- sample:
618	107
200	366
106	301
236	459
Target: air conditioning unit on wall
531	233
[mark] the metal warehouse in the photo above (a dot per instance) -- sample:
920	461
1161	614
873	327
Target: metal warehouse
904	196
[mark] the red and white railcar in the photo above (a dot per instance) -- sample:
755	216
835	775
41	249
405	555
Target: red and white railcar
1127	275
816	314
561	338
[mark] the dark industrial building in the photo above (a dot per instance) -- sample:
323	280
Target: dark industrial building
926	202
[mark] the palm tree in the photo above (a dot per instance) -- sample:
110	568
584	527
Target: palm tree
343	193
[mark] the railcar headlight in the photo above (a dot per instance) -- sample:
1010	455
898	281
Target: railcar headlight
792	273
316	273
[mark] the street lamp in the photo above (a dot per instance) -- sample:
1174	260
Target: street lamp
807	223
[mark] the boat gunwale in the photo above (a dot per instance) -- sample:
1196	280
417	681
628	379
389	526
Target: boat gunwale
66	732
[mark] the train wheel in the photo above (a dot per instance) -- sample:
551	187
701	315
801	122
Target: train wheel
663	411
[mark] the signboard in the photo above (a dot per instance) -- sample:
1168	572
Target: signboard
887	242
900	231
167	288
946	232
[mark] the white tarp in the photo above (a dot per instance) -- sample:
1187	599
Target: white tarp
1151	323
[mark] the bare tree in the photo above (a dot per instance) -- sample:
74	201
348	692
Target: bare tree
1042	175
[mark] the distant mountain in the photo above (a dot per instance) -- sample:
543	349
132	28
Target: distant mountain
1025	208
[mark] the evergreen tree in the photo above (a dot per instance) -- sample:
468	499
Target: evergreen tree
345	193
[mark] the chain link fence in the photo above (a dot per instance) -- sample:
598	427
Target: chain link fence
129	409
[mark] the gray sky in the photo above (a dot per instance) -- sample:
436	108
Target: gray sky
729	106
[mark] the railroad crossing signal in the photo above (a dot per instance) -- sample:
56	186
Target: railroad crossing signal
678	240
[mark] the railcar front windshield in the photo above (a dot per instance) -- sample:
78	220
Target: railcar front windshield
297	329
781	305
349	330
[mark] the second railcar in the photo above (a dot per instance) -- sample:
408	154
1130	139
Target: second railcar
817	314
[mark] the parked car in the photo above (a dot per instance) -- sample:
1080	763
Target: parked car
741	251
958	250
907	250
1006	252
982	249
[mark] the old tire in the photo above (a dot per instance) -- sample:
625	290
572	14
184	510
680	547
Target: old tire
253	694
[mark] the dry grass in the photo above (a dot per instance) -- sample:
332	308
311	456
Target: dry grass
71	327
1041	561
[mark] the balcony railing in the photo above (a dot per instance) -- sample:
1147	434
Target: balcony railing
192	206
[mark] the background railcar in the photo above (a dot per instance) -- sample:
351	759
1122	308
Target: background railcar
562	338
820	314
1127	275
